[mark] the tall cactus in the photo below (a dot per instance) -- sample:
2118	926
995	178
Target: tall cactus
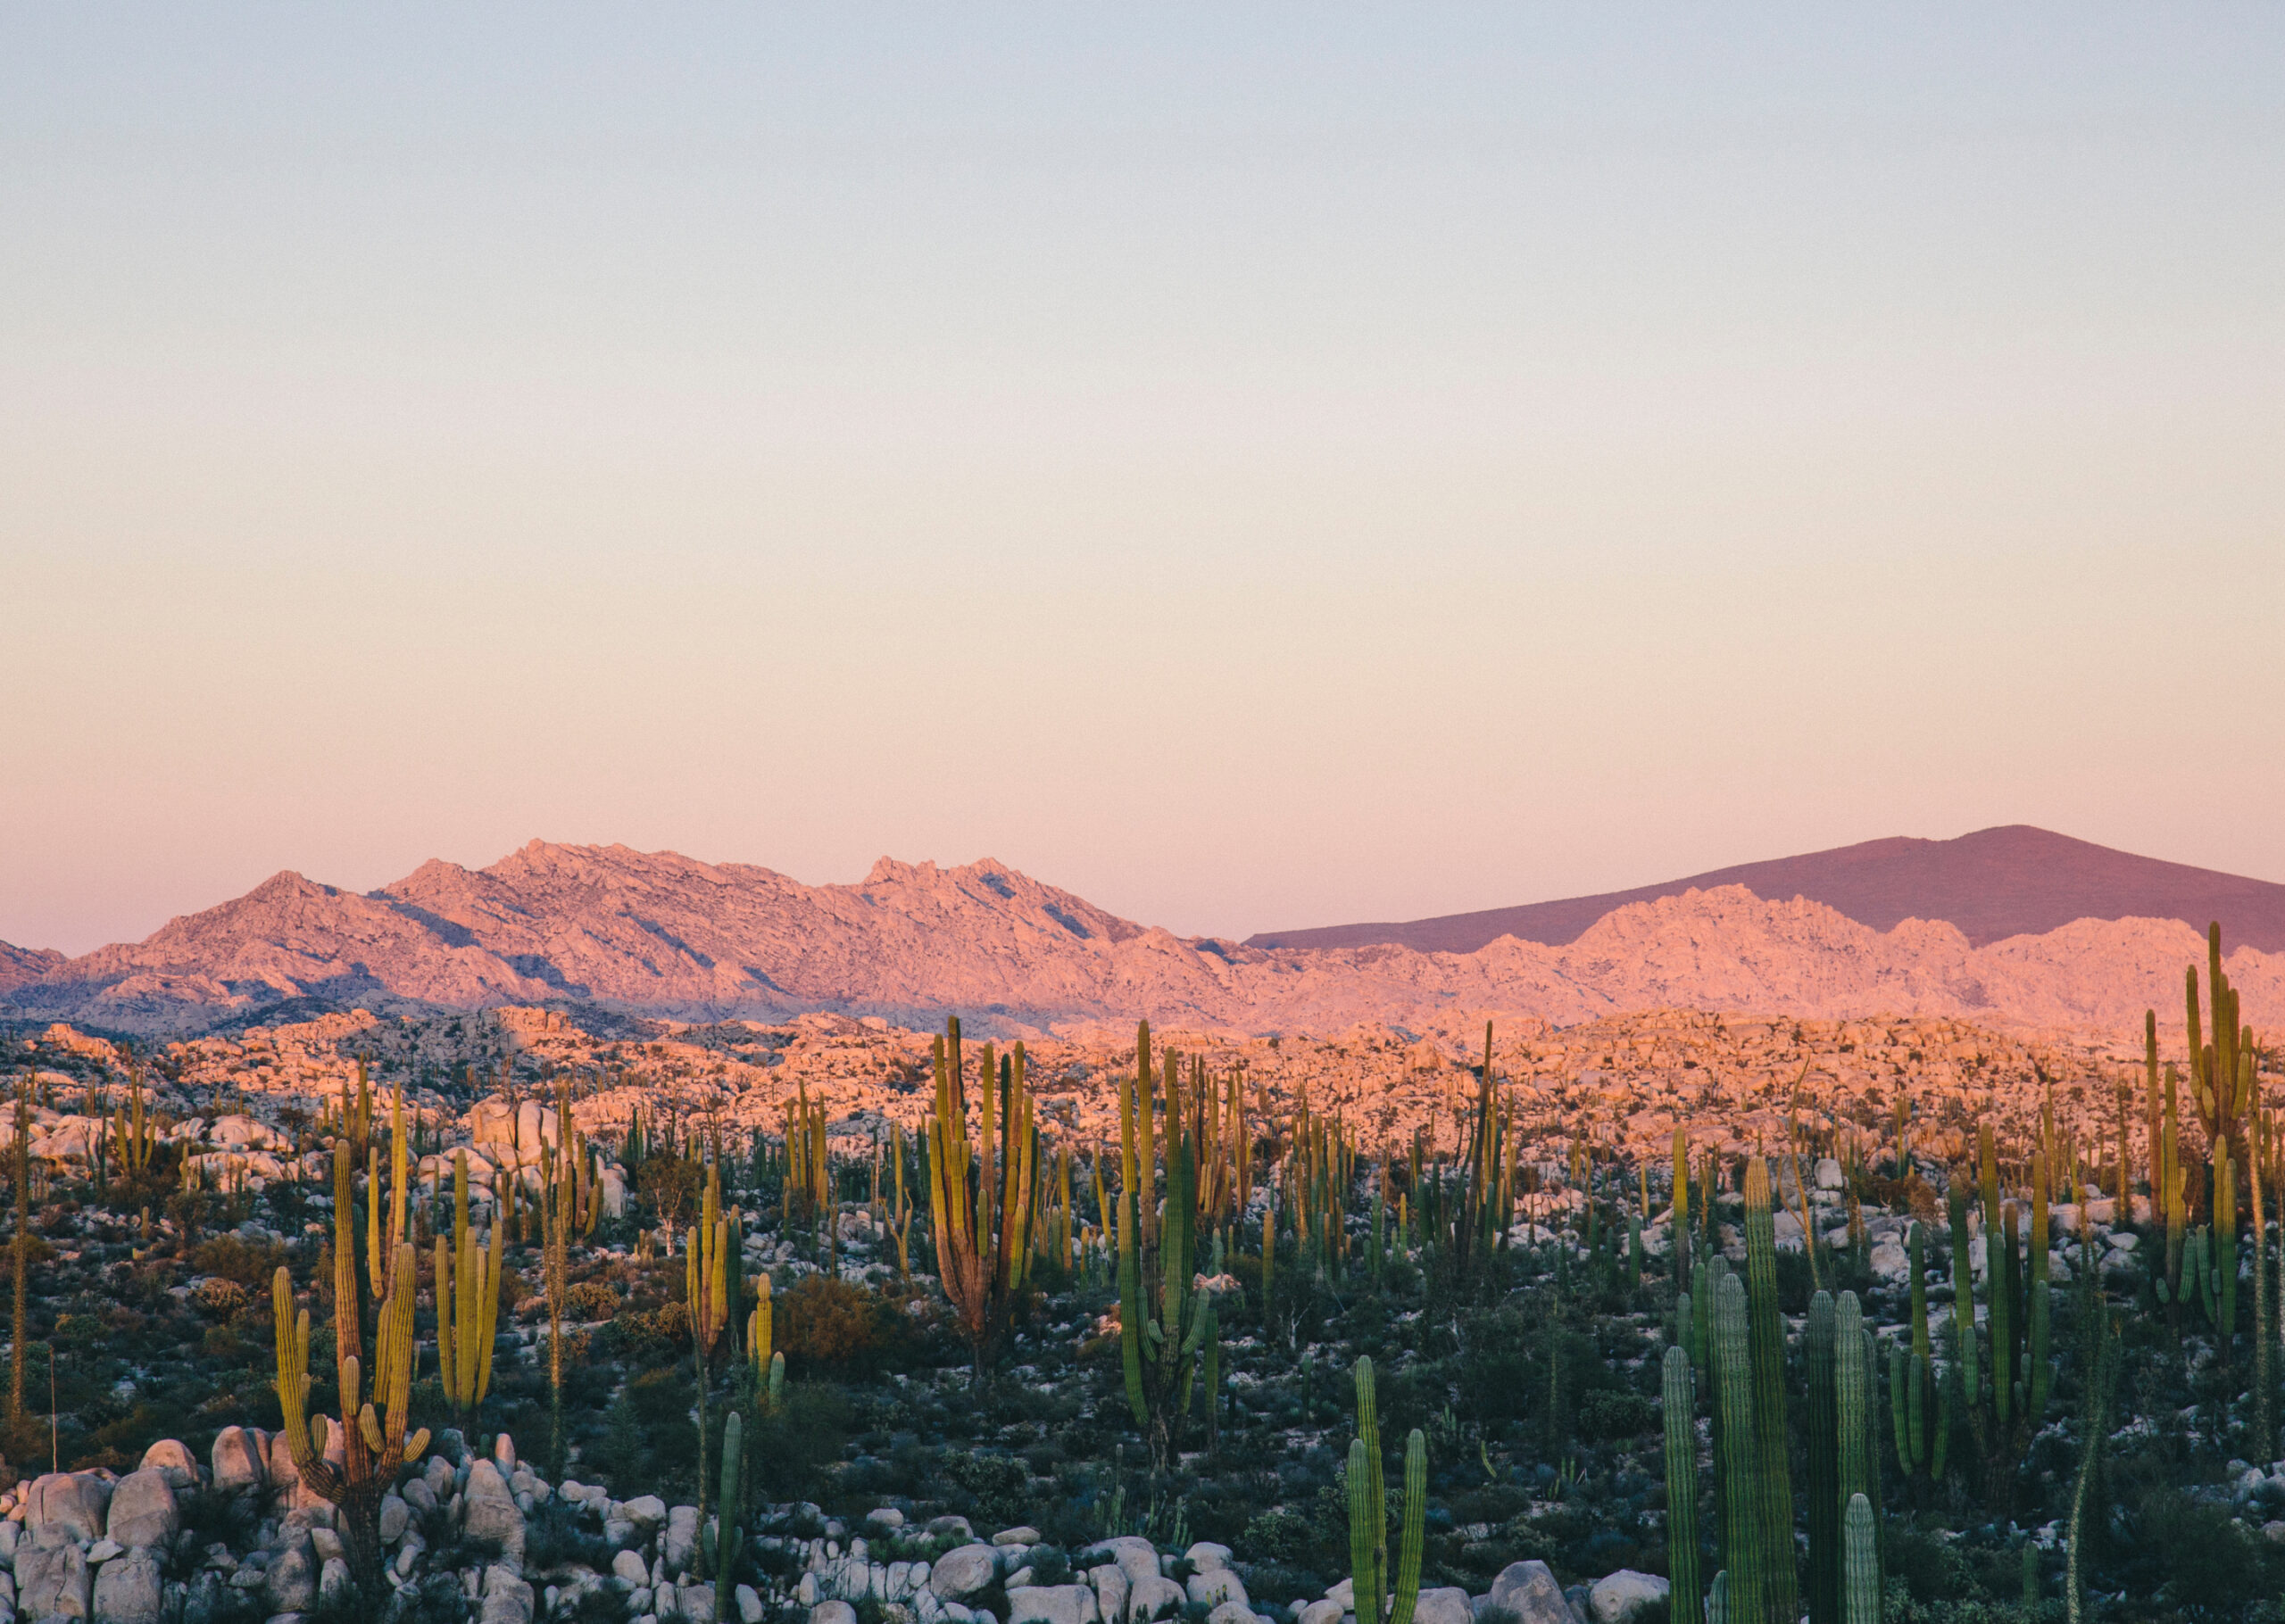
1863	1583
1779	1578
1164	1318
1679	1405
706	1273
980	1191
374	1445
721	1548
1381	1597
1823	1487
468	1302
1741	1520
761	1327
1859	1466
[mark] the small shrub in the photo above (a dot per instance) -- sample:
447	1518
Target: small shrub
591	1300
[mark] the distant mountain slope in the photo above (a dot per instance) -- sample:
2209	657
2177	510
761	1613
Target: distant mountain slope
21	965
2014	881
658	934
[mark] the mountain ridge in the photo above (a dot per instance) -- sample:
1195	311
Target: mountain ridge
668	935
2011	879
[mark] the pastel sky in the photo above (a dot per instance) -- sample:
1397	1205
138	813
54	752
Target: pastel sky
1255	466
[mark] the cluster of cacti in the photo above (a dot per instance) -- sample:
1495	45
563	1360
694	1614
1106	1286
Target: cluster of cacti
19	1324
467	1284
1382	1596
808	1168
134	1136
374	1445
1999	1383
1164	1318
768	1365
980	1190
1919	1403
1767	1347
1320	1170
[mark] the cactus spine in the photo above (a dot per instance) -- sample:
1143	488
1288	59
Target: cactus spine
1679	1406
1376	1603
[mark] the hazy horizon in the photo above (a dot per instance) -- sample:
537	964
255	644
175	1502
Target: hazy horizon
1254	470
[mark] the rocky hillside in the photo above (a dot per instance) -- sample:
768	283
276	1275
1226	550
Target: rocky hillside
661	935
2014	880
21	965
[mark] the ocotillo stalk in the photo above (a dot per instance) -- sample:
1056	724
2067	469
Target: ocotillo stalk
1741	1530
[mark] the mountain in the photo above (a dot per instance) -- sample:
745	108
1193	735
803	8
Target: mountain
660	934
21	965
2013	880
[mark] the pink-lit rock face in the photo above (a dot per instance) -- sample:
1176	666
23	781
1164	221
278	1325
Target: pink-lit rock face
662	934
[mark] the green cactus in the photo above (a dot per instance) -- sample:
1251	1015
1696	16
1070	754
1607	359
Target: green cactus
1818	1346
1862	1585
1920	1424
468	1302
1779	1578
1679	1406
1741	1522
1717	1599
1164	1318
1369	1551
1852	1403
718	1553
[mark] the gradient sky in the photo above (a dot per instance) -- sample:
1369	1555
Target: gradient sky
1255	466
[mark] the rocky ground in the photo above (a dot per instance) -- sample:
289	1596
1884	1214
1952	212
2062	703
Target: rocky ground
1536	1389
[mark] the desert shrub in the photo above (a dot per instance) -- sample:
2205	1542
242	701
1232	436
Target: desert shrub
1606	1413
835	1328
220	1296
791	1446
238	1260
1281	1537
591	1300
641	1338
995	1488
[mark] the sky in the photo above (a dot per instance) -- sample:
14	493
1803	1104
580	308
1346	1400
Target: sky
1254	467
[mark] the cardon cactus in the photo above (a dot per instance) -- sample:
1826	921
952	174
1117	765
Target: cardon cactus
1679	1405
1852	1403
1862	1584
1823	1465
720	1546
1766	1337
1368	1552
1741	1519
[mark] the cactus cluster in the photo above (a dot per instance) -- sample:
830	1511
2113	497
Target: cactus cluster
1382	1594
980	1190
1164	1318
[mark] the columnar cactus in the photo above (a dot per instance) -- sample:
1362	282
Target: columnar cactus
980	1191
1824	1485
374	1443
1852	1405
1679	1406
1742	1523
706	1276
1862	1584
468	1302
721	1548
1381	1598
1780	1582
1164	1318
